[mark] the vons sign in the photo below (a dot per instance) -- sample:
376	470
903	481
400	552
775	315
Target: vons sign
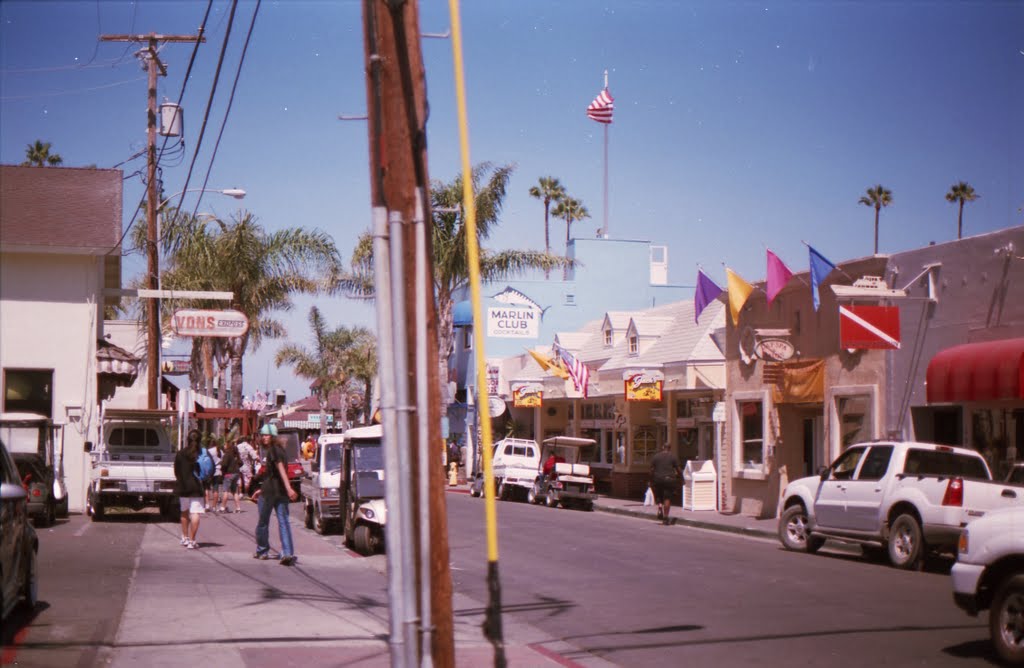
643	385
194	322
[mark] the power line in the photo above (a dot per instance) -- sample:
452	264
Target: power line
231	100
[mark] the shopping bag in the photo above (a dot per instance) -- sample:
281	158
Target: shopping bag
649	497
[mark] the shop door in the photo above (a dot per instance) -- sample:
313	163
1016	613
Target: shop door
814	444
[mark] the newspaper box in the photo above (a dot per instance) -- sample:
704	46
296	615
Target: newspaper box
699	484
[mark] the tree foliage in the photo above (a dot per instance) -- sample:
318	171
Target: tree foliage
876	198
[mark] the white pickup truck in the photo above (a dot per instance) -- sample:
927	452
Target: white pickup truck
515	463
320	490
905	497
989	575
133	465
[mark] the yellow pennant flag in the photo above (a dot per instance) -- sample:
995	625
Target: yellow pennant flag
549	364
739	291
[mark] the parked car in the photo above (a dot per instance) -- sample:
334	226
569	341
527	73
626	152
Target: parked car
19	545
34	443
909	498
989	575
320	490
364	512
289	440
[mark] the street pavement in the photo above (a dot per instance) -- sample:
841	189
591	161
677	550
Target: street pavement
218	606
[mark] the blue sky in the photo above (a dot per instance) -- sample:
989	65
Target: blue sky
737	125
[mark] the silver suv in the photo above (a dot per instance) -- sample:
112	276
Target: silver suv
19	545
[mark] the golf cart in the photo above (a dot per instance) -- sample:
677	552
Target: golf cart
570	482
36	448
361	489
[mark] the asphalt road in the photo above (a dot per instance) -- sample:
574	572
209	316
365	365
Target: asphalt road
619	589
637	593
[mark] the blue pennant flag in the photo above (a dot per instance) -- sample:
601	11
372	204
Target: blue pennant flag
820	268
707	292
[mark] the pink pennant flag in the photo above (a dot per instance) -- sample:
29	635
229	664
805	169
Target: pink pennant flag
778	276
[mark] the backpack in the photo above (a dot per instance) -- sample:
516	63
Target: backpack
204	466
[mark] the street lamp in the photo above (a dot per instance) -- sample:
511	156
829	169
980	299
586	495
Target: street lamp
153	305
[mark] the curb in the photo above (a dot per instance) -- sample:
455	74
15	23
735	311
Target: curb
683	521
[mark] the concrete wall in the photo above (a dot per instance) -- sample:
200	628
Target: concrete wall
49	319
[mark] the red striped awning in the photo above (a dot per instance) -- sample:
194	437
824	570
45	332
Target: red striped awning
986	371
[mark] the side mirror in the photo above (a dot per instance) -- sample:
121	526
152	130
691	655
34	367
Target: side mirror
823	473
88	446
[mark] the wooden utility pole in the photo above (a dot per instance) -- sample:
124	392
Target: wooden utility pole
152	63
397	113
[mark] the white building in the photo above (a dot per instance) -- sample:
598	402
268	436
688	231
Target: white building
60	236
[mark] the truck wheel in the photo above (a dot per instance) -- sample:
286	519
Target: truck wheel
502	491
906	544
363	540
794	532
308	515
551	501
97	512
319	525
531	495
1006	620
30	588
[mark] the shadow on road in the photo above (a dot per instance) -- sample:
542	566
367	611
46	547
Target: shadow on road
974	649
17	621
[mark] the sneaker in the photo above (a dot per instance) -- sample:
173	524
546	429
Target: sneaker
192	545
184	541
264	556
288	560
661	514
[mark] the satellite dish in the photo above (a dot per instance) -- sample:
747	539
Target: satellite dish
495	406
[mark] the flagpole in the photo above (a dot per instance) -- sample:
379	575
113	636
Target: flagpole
606	165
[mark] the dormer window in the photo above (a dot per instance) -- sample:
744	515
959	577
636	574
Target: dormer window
608	337
634	344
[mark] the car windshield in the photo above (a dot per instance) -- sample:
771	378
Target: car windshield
27	438
332	457
369	455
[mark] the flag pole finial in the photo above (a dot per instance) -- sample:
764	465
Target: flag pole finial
606	78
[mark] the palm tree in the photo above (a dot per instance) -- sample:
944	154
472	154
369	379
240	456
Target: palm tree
961	192
570	210
330	363
361	363
876	197
38	155
450	258
262	269
548	190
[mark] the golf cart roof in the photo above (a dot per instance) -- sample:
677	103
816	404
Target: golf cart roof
373	431
138	414
569	441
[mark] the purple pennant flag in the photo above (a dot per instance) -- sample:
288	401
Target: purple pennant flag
778	275
707	292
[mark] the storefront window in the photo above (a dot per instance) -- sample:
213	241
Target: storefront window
991	430
855	420
752	432
28	391
684	408
645	444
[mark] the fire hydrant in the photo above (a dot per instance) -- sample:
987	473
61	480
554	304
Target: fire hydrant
453	474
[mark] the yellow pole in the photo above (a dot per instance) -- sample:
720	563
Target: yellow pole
492	623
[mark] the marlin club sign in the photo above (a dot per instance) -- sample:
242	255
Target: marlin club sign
514	316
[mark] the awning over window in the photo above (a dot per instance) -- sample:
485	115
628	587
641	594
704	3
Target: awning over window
113	360
977	372
462	313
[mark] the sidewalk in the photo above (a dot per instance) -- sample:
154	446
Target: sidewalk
219	606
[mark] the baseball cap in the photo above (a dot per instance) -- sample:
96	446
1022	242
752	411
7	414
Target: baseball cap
269	430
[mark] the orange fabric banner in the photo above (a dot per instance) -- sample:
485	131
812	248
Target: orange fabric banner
800	383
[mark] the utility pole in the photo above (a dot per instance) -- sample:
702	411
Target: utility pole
151	61
397	113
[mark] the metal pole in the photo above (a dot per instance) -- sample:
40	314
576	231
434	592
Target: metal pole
409	619
392	470
423	285
152	261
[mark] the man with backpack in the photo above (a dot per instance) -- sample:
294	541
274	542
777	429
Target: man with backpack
273	497
189	488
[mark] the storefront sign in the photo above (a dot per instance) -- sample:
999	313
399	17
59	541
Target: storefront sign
513	322
493	379
644	386
495	407
775	350
530	395
175	367
193	322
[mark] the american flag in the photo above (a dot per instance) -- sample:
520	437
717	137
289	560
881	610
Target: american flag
578	371
600	109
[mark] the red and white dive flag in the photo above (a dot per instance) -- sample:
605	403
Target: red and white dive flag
869	327
601	108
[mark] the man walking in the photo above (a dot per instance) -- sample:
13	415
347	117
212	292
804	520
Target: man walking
665	474
189	490
273	496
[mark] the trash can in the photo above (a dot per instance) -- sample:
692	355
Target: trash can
699	484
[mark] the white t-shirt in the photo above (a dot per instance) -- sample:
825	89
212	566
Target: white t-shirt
249	457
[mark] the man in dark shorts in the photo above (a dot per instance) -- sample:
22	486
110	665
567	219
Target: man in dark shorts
665	474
